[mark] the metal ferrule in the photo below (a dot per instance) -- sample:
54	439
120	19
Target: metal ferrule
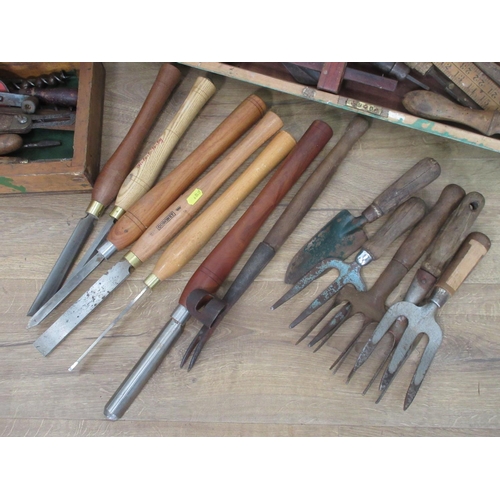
151	281
107	249
132	259
363	258
439	297
146	366
96	209
117	212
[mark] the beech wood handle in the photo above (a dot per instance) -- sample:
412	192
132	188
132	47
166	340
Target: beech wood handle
142	177
427	104
422	235
193	238
10	143
215	269
453	233
404	217
473	249
316	183
142	214
118	166
419	176
175	217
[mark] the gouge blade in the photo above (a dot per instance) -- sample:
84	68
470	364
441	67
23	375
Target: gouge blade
64	262
59	330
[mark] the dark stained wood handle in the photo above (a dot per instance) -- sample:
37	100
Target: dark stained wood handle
121	162
316	183
404	217
422	235
419	176
453	233
216	267
145	211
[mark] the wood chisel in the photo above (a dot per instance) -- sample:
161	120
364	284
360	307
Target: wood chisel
217	266
162	197
110	179
184	246
142	177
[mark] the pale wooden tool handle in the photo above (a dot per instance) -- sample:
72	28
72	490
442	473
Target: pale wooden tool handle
473	249
142	177
169	223
433	106
198	233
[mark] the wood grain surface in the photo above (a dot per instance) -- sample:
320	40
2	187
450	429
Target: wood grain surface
251	379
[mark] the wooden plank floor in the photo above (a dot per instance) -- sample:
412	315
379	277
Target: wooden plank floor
251	379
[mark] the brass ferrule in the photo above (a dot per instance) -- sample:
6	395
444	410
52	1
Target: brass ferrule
96	209
133	260
117	212
151	281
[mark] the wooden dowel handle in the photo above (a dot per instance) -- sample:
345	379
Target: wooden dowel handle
142	177
473	249
119	165
144	212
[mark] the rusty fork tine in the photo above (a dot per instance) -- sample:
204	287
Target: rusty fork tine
193	345
331	327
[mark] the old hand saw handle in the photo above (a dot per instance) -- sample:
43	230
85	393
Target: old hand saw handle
419	176
433	106
118	166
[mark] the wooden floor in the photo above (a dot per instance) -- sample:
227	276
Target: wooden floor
251	379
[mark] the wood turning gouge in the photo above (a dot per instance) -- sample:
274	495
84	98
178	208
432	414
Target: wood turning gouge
110	179
134	222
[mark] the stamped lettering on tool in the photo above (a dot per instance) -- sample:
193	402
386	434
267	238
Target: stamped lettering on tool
369	108
165	220
194	196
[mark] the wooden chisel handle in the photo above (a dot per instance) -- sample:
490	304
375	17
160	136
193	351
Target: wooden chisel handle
10	143
175	217
142	213
193	238
427	104
215	269
142	177
473	249
453	233
118	166
316	183
403	218
419	176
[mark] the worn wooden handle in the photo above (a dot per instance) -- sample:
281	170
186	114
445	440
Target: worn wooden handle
118	166
422	235
453	233
427	104
473	249
404	217
216	267
10	143
144	212
175	217
142	177
419	176
193	238
316	183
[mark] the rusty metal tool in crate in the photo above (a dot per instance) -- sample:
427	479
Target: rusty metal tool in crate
344	234
212	315
109	180
444	247
421	319
215	269
166	200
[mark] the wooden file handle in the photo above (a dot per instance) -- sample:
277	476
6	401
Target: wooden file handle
175	217
433	106
453	233
198	233
419	176
10	143
215	269
473	249
142	214
404	218
118	166
142	177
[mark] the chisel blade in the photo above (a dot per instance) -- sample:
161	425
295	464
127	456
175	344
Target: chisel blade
64	262
59	330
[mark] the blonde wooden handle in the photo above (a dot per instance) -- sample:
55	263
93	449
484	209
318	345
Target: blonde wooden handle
140	180
182	210
198	233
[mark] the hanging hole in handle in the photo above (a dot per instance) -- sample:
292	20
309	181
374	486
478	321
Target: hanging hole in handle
474	205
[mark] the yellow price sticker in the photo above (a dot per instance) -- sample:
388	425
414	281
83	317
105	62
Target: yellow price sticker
194	196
